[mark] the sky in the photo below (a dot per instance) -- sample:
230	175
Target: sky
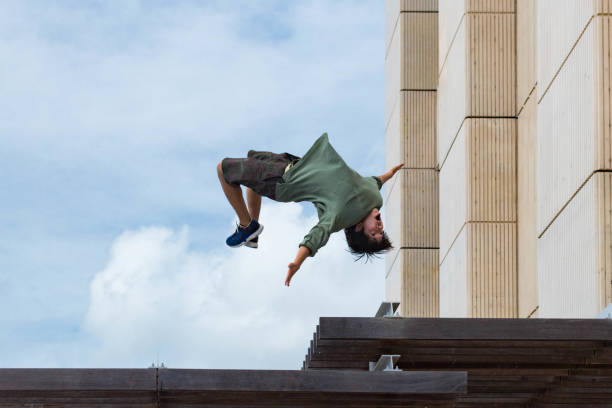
113	117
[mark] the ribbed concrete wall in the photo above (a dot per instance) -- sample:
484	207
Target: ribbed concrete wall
491	170
603	212
574	158
491	59
527	91
477	156
566	131
527	233
454	280
526	50
453	193
479	74
491	269
412	196
566	260
452	100
602	31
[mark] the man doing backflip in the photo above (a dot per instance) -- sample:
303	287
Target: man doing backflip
343	198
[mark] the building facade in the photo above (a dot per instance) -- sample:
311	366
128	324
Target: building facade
500	110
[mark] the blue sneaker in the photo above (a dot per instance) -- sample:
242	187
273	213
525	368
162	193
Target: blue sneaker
252	243
242	235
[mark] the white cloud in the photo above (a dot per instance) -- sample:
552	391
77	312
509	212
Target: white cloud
224	308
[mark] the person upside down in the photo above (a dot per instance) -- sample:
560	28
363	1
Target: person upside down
343	198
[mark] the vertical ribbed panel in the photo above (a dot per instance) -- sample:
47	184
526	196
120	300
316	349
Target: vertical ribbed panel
527	232
489	5
491	73
453	193
394	153
451	95
453	279
566	138
491	265
450	15
412	209
603	6
419	50
567	267
419	131
526	48
420	222
394	216
419	5
603	208
560	23
491	170
603	84
421	283
412	201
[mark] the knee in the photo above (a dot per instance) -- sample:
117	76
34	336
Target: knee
220	167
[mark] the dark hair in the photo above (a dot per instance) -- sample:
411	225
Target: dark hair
360	245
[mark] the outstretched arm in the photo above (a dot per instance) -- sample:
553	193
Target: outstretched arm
386	176
302	254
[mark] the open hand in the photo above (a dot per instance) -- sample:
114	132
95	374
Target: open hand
293	268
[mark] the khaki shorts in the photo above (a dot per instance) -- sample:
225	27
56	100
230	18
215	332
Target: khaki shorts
260	171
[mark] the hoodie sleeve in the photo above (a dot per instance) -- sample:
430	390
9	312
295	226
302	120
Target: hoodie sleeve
317	237
378	182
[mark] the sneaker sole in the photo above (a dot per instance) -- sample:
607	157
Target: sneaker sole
253	235
251	244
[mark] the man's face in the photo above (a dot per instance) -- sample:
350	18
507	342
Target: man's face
372	226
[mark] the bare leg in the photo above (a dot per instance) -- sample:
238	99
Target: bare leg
254	201
234	196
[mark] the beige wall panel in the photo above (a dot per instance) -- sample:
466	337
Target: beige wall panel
452	96
491	169
450	15
527	233
392	12
488	6
603	98
453	193
413	208
393	213
392	75
491	269
560	23
567	267
603	191
420	282
452	12
420	223
419	130
419	5
453	280
419	50
603	6
393	138
526	48
393	279
491	62
566	132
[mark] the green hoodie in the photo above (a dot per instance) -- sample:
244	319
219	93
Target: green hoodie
341	196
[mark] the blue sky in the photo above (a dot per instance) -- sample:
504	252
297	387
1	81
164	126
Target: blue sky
113	116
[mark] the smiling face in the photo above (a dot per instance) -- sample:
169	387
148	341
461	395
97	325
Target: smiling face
372	226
